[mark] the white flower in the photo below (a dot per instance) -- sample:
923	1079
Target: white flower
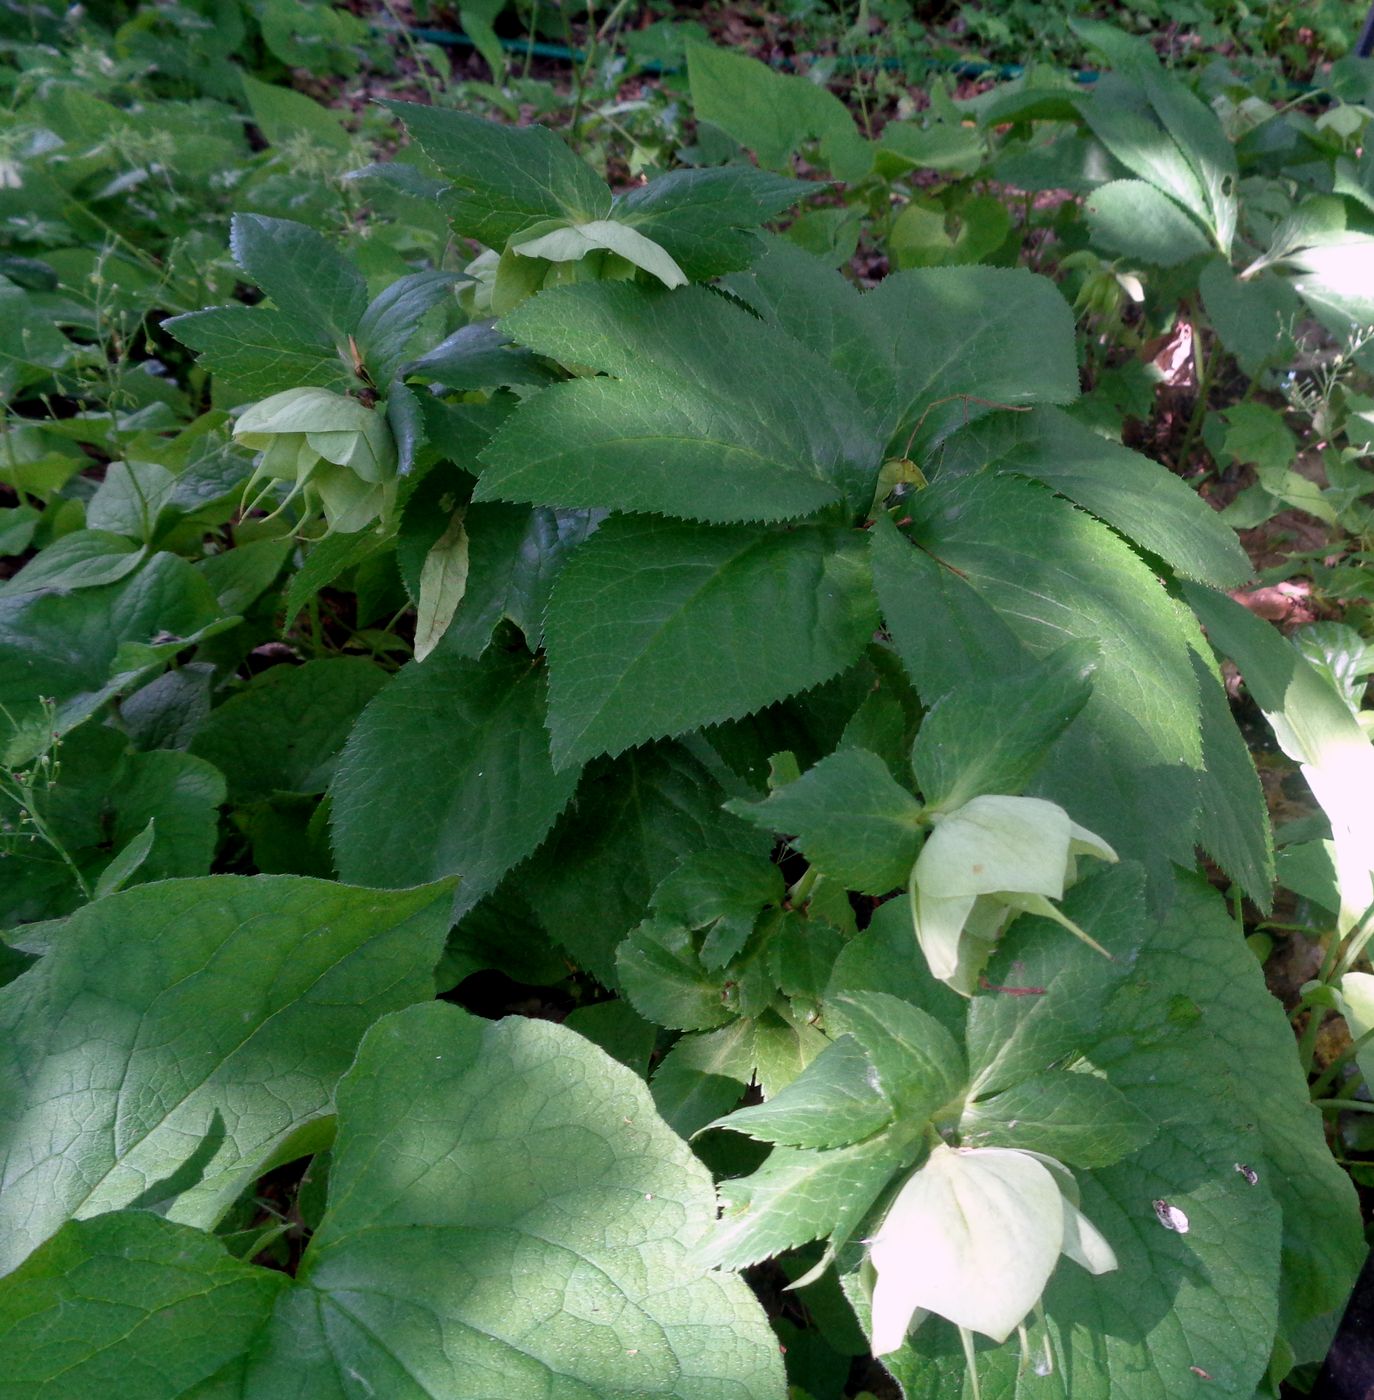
974	1235
987	859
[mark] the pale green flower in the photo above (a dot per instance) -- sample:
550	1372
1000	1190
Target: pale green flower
475	297
988	859
333	448
562	242
973	1236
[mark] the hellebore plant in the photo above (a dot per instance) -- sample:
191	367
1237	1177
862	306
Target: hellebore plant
974	1236
334	450
988	860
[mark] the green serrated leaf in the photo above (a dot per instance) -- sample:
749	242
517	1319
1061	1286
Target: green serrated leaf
1249	1034
444	741
703	1075
283	732
1137	139
259	350
990	735
1233	821
1149	505
704	218
884	958
478	356
1044	1005
506	178
798	1196
1134	220
721	892
313	285
662	974
1077	1119
328	560
1195	1216
850	817
927	351
836	1100
919	1066
632	820
802	951
783	1044
1127	767
635	642
1314	726
698	419
388	325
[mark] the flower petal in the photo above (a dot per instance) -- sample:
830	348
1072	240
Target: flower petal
991	844
1087	843
1084	1243
973	1236
939	924
303	411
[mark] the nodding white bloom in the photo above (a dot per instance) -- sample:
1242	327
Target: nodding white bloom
973	1236
333	448
986	860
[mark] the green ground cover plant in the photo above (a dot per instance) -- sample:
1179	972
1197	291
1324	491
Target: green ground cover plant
600	801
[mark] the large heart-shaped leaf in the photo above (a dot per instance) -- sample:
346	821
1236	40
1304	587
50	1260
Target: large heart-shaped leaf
179	1034
507	1214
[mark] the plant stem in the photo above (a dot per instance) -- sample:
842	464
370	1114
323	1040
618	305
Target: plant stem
433	88
1355	942
1344	1105
316	640
1207	365
800	892
529	44
23	798
1328	1075
580	72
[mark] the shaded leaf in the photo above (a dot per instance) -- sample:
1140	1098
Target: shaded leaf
164	1005
698	419
505	178
284	730
636	644
849	817
448	773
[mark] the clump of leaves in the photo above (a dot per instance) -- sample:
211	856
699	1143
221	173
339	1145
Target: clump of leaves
705	700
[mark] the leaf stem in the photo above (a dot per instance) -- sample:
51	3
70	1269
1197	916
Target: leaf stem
1344	1105
1307	1045
1207	367
1328	1075
801	891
